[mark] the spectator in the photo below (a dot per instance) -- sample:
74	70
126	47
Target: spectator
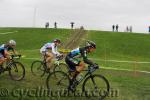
127	29
47	25
130	29
149	29
55	25
72	25
113	28
117	27
81	27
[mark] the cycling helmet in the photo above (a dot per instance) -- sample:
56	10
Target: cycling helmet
90	44
12	42
57	40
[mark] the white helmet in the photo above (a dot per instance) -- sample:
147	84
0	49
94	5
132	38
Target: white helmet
12	42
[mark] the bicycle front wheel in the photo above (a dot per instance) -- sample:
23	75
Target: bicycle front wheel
97	85
57	81
17	71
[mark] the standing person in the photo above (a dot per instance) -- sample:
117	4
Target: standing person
72	25
149	29
55	25
113	28
47	25
127	29
117	27
52	46
130	29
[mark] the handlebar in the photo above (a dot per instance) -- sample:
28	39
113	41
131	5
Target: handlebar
59	57
93	67
15	57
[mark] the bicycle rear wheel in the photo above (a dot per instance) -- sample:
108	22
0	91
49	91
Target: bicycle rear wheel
57	81
97	85
17	71
37	68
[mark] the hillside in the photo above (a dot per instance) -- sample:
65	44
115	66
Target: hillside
121	57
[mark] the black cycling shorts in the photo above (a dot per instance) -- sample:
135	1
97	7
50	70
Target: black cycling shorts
72	63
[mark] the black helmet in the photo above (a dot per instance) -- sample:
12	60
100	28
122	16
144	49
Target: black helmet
57	40
90	44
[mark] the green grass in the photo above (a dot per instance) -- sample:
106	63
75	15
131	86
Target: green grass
118	46
124	47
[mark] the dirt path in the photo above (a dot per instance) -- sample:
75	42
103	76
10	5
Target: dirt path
75	39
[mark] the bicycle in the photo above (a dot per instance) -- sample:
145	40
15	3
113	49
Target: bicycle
16	69
59	80
40	67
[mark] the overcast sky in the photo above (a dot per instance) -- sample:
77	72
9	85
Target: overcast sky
92	14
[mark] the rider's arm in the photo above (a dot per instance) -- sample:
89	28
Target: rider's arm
15	52
6	54
85	59
54	50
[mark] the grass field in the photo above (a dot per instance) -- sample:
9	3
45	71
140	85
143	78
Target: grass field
131	85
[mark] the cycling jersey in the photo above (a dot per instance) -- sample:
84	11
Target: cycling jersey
50	46
72	58
6	47
2	52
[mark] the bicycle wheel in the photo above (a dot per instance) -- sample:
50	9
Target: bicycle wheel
37	68
97	86
17	71
57	81
61	67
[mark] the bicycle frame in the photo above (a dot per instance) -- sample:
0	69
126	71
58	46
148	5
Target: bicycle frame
10	62
57	62
89	73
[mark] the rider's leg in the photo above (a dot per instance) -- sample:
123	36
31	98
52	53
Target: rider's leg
49	57
79	69
2	60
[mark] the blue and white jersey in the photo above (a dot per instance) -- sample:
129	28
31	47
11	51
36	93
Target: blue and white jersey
48	46
2	46
2	50
75	52
6	47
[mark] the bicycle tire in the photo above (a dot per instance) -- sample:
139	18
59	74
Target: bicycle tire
15	65
106	91
53	85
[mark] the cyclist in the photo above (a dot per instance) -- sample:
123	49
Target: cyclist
4	51
50	55
73	61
